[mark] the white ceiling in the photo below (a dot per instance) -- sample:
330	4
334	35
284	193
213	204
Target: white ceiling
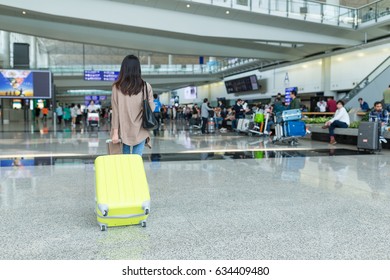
170	27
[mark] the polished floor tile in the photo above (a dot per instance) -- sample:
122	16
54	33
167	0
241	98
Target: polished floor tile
231	197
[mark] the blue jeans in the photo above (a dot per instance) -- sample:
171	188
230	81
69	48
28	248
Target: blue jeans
137	149
336	124
216	121
269	124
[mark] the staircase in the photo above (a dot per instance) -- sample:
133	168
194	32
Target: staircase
371	87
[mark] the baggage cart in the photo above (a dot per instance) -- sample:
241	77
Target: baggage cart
289	132
93	120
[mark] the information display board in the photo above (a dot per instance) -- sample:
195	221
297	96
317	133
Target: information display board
25	84
242	84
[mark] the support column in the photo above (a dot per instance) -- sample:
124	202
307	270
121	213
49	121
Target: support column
33	53
170	59
326	77
4	49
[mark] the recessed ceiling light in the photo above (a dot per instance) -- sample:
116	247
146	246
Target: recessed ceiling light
227	12
24	12
188	5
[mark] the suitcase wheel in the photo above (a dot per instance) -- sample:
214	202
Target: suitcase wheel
143	223
103	227
105	213
147	211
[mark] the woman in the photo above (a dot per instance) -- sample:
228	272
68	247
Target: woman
127	98
340	119
67	114
73	111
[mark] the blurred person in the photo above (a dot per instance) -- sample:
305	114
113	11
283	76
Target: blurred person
205	114
60	113
45	112
295	102
37	112
363	105
230	116
73	111
380	115
79	114
340	119
67	114
386	98
331	104
157	112
92	108
239	112
321	104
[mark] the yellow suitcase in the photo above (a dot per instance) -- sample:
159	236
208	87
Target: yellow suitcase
122	192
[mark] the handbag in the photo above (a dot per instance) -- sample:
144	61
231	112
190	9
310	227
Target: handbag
149	121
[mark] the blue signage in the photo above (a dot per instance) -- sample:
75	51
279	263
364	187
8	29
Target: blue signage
287	96
92	75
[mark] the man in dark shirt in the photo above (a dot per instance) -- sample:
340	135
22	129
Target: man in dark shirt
363	105
239	112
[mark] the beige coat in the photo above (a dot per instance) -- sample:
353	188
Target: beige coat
127	116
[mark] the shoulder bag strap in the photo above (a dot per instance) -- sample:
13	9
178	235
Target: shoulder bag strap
145	86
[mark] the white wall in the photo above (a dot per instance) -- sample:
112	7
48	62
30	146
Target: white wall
346	70
349	69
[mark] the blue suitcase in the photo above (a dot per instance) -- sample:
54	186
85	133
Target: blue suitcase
291	115
294	129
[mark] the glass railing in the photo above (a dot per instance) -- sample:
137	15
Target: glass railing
174	69
308	10
211	67
374	11
367	80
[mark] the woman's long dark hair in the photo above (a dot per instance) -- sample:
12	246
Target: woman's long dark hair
129	80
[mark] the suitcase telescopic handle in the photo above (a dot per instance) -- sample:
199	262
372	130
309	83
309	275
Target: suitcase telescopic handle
110	141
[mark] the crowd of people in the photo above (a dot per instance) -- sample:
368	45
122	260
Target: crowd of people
72	114
226	117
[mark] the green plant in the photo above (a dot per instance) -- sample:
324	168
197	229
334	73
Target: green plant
317	120
366	117
354	124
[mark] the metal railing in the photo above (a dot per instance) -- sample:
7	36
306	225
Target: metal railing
367	80
312	11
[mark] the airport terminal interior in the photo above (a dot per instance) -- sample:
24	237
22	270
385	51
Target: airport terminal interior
214	196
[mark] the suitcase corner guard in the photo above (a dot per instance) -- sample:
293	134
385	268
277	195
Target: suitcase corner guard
103	209
146	207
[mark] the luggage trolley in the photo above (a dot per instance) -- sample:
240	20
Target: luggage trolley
289	127
259	124
93	119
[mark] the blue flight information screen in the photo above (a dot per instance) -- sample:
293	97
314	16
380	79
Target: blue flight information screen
92	75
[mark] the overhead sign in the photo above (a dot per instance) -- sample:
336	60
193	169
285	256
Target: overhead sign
92	75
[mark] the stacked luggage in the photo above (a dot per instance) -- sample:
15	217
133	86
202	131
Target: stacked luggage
243	125
289	127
